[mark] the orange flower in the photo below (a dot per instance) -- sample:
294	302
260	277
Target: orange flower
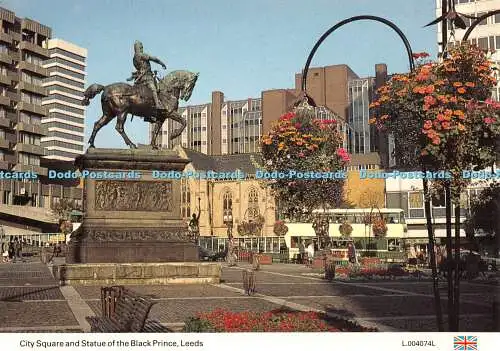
461	127
448	112
441	117
446	125
372	120
436	140
457	84
459	113
470	84
461	90
429	89
427	124
429	100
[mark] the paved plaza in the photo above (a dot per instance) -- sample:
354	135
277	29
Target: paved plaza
32	301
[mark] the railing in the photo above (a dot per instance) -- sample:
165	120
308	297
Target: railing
34	239
266	244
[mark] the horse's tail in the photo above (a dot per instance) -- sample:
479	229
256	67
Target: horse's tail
91	92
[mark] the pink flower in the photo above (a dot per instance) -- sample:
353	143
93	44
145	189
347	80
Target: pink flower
489	120
343	154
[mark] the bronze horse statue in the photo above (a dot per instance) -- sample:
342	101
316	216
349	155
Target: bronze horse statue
120	99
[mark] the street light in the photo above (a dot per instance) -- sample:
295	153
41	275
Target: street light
228	221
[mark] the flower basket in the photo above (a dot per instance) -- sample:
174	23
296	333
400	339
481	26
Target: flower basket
345	229
379	227
280	228
251	227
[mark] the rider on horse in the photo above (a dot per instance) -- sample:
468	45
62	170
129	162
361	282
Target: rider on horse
144	75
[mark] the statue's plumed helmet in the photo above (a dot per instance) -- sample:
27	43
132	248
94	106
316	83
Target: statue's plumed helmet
138	45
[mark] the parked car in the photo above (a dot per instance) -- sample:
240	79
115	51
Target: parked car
491	263
209	255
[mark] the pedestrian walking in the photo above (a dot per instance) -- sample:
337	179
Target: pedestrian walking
18	247
310	252
10	250
302	251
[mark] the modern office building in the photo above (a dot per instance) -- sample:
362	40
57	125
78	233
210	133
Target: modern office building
362	137
486	35
25	204
22	52
219	127
236	126
65	121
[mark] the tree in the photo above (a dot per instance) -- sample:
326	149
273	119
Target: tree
301	147
62	211
442	118
302	155
485	211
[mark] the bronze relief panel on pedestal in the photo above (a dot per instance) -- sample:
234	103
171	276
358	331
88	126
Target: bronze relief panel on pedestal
113	195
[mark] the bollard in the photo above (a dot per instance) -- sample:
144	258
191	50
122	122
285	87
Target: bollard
249	281
329	270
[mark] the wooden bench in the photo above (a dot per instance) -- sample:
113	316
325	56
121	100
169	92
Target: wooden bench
123	311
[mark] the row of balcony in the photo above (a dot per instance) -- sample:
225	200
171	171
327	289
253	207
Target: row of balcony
10	37
8	58
26	45
37	89
24	106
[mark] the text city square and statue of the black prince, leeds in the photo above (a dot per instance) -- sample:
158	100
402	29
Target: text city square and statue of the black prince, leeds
156	100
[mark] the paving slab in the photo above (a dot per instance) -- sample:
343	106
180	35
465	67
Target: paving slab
161	291
36	314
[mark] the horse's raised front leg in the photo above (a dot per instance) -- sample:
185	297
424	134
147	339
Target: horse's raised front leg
178	118
101	122
120	121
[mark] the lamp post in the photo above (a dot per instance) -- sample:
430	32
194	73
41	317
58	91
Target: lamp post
308	100
228	222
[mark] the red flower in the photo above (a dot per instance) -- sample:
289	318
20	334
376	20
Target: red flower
418	55
297	125
288	116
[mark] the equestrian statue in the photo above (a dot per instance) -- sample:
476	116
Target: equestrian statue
156	100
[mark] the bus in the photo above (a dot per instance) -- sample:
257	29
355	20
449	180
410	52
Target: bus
390	247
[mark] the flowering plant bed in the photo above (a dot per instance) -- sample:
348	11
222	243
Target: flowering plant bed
375	272
273	321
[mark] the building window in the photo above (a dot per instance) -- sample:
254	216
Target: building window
416	199
227	202
416	204
7	199
483	43
438	200
28	159
253	204
29	139
36	60
483	22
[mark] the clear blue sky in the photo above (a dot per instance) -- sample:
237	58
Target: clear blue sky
239	47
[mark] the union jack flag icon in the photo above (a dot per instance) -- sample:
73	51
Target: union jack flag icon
465	343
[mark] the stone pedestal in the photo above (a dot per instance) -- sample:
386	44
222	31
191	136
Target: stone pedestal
129	215
138	273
